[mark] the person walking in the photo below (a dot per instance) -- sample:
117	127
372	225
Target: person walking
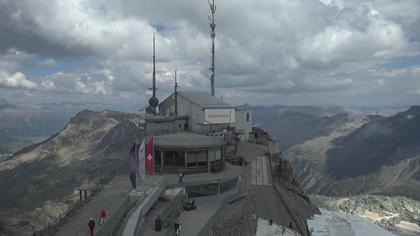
181	176
102	217
91	225
176	225
283	229
177	229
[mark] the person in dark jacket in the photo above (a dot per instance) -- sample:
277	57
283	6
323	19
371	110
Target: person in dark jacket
177	228
91	225
181	177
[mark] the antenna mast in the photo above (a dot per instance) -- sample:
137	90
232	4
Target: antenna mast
213	36
176	95
153	101
154	67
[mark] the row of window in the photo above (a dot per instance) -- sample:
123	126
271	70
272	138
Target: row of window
194	158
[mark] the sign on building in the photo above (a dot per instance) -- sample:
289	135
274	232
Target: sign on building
219	116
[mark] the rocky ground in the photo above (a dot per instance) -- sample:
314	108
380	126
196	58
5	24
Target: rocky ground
239	219
365	155
283	202
396	214
42	181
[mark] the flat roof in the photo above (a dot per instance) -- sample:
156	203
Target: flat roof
188	140
205	100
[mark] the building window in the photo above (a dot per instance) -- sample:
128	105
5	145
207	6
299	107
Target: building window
174	158
247	117
202	158
197	158
214	155
157	158
169	158
179	158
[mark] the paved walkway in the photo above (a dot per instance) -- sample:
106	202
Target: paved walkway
193	221
147	194
261	172
265	199
109	199
148	227
230	172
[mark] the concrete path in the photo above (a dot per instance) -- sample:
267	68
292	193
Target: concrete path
148	227
193	221
230	172
261	172
109	199
265	199
147	194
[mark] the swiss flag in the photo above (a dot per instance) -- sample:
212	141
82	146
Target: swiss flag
150	157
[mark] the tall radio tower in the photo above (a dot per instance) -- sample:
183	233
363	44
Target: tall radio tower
213	35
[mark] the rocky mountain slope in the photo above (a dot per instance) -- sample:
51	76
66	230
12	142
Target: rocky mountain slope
23	125
294	125
366	155
45	175
396	214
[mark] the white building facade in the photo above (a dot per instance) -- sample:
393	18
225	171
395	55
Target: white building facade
243	123
205	113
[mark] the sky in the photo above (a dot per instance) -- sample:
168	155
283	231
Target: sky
300	52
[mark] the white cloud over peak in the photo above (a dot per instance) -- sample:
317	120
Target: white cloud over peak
16	80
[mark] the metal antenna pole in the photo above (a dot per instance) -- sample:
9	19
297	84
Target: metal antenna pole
213	36
154	68
153	101
176	95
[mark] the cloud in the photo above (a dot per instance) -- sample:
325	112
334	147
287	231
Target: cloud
285	49
48	85
16	80
94	82
48	62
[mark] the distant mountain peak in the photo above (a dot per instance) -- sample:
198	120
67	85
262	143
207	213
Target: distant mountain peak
414	110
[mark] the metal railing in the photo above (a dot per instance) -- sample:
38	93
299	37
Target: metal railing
75	203
111	226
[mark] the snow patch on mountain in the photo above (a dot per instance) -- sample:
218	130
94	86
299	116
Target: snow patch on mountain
264	228
342	224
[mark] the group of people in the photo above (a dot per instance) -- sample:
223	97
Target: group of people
91	223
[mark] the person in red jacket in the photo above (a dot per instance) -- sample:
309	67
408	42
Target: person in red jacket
102	216
91	225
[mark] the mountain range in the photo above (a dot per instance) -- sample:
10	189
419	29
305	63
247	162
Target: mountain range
23	125
363	155
90	147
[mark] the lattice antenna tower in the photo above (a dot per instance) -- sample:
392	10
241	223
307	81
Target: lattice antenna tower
213	36
176	86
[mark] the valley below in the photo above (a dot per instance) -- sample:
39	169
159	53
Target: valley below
398	215
354	163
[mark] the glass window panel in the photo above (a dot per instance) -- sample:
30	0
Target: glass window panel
157	157
202	156
179	158
169	158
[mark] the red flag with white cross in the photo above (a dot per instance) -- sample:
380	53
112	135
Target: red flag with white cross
150	157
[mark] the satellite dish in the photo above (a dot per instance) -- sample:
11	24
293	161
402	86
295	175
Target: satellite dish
153	102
